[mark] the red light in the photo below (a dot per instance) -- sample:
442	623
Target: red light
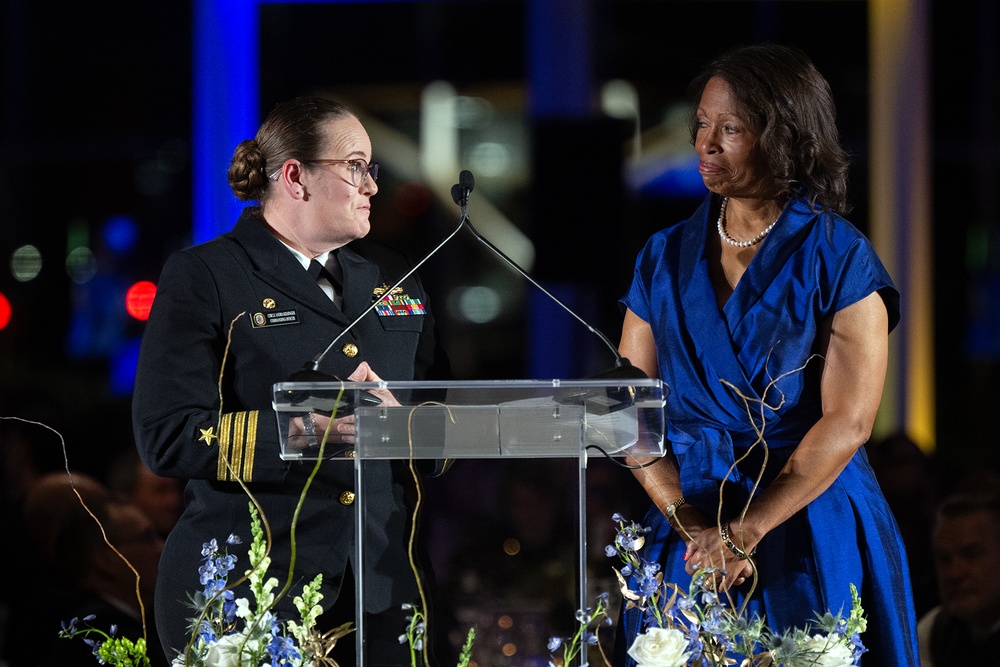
139	299
5	311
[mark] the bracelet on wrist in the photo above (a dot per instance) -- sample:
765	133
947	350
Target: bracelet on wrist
740	553
672	508
308	426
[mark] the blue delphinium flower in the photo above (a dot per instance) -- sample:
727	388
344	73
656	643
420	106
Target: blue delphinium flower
713	622
283	650
646	580
628	540
206	633
210	548
859	647
213	586
206	575
709	598
228	599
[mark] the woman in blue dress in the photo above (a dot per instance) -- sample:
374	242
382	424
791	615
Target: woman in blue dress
767	314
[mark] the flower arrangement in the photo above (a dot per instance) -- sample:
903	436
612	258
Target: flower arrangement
227	631
695	628
692	628
571	646
414	638
218	639
107	648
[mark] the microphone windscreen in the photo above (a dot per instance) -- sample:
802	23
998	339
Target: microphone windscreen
456	193
466	180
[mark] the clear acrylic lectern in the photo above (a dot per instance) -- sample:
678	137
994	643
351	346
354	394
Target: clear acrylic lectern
501	419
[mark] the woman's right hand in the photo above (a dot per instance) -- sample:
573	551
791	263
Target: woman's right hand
309	430
341	429
705	548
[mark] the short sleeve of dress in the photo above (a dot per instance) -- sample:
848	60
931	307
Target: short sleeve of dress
861	273
637	299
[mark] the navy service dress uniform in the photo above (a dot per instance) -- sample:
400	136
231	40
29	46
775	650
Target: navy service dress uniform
246	288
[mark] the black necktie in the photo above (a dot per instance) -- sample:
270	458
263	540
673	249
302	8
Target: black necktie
317	271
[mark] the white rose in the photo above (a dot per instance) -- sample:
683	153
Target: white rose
225	652
827	652
660	647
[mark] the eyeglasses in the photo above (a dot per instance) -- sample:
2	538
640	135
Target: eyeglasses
359	169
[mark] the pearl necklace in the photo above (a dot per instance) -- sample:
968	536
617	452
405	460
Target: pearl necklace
729	239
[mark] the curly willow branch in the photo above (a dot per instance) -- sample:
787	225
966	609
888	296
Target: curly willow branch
104	535
759	424
293	541
416	510
260	511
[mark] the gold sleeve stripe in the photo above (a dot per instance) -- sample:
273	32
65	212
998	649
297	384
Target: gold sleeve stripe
237	442
239	439
225	438
251	447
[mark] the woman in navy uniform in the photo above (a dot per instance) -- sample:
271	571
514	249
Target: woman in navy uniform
245	308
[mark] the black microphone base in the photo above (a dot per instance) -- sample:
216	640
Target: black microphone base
623	370
344	407
605	400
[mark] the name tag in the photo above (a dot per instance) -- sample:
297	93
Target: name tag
275	319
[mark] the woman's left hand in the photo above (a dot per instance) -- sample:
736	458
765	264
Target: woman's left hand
364	373
709	550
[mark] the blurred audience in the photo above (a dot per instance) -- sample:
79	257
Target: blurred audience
18	470
965	628
106	587
40	590
913	488
511	554
74	573
159	498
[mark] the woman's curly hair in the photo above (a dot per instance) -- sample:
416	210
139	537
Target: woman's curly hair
789	106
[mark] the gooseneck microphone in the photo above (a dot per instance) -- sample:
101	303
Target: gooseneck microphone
311	370
623	368
460	194
460	191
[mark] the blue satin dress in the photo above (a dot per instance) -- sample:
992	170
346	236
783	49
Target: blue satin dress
810	266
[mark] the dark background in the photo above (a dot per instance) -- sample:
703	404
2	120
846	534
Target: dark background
96	118
96	123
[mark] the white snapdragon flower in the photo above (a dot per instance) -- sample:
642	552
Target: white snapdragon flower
243	608
660	647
